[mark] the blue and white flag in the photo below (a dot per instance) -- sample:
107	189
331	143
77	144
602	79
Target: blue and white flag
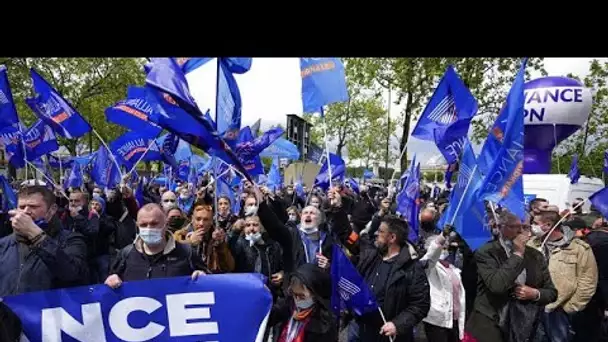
315	153
9	199
104	172
323	83
39	140
166	309
56	111
348	288
447	116
502	162
8	112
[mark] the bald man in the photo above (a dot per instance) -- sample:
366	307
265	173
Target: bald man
154	253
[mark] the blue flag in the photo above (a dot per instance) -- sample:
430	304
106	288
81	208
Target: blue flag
368	174
104	172
251	162
353	185
323	83
39	140
606	161
447	116
255	128
210	119
56	111
56	162
8	112
407	200
74	179
600	201
134	112
348	288
449	172
179	114
9	199
139	193
465	211
248	149
282	148
129	148
12	142
275	181
503	179
165	309
574	173
189	64
228	104
338	170
315	153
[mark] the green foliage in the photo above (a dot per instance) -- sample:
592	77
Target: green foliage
431	176
89	84
414	80
591	164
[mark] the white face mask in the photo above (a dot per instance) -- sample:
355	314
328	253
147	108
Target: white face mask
293	218
251	210
537	230
309	229
253	238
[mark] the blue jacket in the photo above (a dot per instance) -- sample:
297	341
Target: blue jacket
59	261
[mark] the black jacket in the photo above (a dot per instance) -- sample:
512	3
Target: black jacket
322	326
58	262
407	296
176	260
497	274
85	224
598	240
245	255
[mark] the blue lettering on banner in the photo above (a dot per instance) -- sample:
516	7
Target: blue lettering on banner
532	113
543	96
167	309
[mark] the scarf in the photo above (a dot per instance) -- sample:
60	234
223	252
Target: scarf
294	330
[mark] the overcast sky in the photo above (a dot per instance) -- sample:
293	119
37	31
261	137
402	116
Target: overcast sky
272	89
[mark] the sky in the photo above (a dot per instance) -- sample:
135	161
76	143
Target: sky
272	89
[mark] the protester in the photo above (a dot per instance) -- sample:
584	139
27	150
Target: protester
176	219
39	254
513	288
305	314
574	273
100	263
225	218
594	313
210	243
397	280
168	199
154	254
446	318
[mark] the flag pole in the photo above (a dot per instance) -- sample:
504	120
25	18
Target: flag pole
400	156
391	338
215	181
326	148
109	152
562	219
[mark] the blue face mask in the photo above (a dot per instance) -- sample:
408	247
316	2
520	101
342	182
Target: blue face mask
304	304
150	236
42	223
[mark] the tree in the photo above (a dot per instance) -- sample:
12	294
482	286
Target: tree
589	142
414	79
89	84
372	132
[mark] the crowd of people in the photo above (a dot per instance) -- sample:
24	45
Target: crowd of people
541	279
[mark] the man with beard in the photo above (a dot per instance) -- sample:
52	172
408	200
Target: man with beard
398	281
